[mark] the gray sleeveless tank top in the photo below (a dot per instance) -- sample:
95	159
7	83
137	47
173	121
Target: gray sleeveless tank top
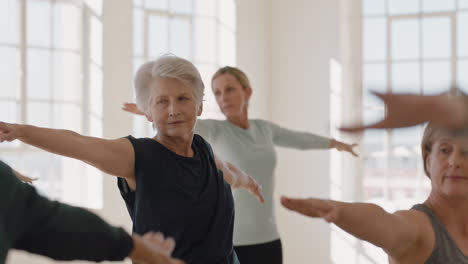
445	250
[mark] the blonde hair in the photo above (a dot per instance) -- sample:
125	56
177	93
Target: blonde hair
240	76
166	66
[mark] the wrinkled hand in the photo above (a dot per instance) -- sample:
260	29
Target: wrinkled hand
8	132
248	183
132	108
312	207
405	110
161	248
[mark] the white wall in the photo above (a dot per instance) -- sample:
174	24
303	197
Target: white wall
294	41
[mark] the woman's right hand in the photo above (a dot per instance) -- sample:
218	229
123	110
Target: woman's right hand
131	108
153	248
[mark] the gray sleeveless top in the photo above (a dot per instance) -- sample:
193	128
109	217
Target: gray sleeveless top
445	250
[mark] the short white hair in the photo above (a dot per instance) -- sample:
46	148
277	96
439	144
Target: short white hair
166	66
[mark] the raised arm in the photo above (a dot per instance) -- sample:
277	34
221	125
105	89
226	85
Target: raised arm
405	110
304	140
396	233
239	179
115	157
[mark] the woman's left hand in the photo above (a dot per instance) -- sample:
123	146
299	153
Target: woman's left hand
340	146
249	184
23	178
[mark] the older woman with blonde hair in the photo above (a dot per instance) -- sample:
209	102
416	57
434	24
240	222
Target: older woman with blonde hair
175	184
433	232
250	145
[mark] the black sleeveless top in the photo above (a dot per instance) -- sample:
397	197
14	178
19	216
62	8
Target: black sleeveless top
185	198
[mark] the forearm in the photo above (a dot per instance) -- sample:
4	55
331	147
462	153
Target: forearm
369	222
228	175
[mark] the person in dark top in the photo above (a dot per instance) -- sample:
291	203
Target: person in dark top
33	223
178	188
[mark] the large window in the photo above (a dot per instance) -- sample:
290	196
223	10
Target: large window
51	76
202	31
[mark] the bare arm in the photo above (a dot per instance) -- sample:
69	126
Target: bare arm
395	233
115	157
405	110
239	179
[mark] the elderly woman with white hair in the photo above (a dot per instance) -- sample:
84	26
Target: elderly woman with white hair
173	177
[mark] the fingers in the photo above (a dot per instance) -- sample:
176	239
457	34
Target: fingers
310	207
258	192
165	246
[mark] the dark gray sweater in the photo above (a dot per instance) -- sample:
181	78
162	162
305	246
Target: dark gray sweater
31	222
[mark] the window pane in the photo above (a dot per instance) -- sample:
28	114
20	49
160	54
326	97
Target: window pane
463	75
67	77
372	116
38	23
67	26
68	116
95	41
95	126
38	75
9	70
137	3
437	77
406	78
95	5
210	107
157	4
9	111
373	7
181	6
39	114
226	46
438	6
462	34
42	165
405	39
375	38
436	38
227	13
138	29
374	140
405	158
9	21
95	90
463	3
205	7
157	36
180	38
375	80
403	6
205	40
407	137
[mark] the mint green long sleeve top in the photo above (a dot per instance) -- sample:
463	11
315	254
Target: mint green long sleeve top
253	151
